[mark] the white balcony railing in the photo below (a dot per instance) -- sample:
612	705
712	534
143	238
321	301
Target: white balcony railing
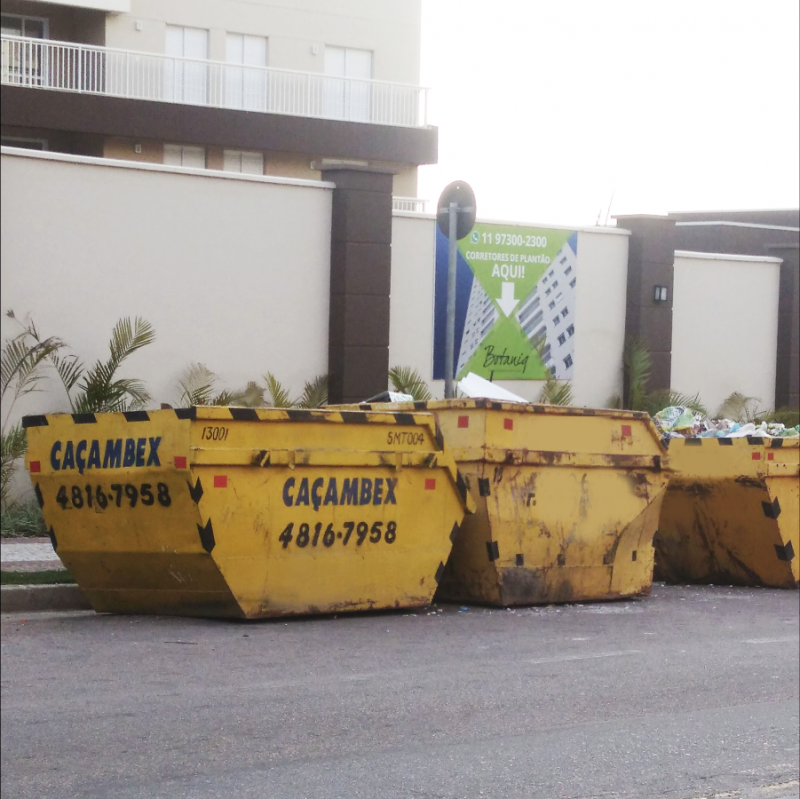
408	204
65	66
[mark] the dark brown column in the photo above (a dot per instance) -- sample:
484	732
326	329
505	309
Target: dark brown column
651	263
787	357
361	267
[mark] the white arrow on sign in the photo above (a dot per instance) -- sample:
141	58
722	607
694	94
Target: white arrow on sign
507	301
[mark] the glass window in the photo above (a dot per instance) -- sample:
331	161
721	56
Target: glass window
565	313
177	155
571	331
562	338
244	162
568	361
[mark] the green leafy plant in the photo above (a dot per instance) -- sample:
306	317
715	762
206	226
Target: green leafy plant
555	393
277	395
98	389
23	518
739	408
636	369
406	380
315	393
23	357
197	386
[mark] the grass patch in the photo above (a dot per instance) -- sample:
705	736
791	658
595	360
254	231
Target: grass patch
36	578
22	520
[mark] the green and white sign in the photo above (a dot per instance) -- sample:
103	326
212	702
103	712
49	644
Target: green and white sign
515	303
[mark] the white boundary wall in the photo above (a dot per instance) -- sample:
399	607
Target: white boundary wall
725	326
599	313
231	270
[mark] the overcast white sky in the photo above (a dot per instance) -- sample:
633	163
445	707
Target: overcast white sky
547	107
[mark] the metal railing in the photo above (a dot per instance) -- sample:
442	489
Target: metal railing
66	66
408	204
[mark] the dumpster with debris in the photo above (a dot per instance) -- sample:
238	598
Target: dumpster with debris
732	512
246	513
568	501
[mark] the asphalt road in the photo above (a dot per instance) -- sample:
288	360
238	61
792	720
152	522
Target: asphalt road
692	692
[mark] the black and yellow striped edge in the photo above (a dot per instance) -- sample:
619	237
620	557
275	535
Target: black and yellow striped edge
378	416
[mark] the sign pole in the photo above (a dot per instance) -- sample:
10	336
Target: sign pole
450	336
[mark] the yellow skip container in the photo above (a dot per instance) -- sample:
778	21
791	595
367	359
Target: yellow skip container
732	512
568	500
244	513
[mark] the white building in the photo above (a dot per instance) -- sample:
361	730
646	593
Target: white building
548	313
481	316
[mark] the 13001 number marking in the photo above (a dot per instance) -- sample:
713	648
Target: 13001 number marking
307	535
214	433
96	496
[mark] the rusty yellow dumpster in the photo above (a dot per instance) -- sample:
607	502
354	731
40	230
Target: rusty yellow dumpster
244	513
731	514
568	500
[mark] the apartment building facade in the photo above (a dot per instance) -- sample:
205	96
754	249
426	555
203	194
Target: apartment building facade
263	87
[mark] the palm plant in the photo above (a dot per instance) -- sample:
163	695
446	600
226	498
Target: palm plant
277	395
553	392
315	393
739	408
636	367
406	380
20	375
98	388
197	387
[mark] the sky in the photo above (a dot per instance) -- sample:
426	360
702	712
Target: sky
570	111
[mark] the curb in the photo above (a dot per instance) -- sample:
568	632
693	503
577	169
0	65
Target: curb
24	598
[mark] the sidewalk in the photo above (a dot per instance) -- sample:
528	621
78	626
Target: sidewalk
33	555
28	555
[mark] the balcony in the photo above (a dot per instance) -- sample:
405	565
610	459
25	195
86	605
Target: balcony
90	70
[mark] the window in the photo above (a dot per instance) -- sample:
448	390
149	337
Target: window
552	305
568	269
29	27
571	331
23	63
557	320
544	280
568	361
535	321
176	155
347	93
246	85
529	310
547	293
565	313
244	162
186	81
572	282
28	144
555	284
562	338
550	273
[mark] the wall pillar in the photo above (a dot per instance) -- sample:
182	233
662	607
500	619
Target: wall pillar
361	264
787	356
651	263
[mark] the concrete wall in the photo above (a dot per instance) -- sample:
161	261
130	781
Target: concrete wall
725	326
600	309
231	270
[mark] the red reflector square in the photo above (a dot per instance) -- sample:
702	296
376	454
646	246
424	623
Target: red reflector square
463	421
36	466
180	462
220	481
626	431
770	456
430	484
756	456
508	424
